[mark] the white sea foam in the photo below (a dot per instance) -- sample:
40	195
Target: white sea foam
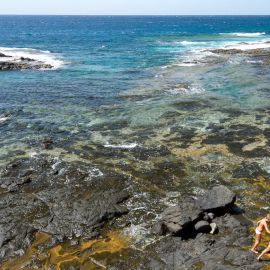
45	57
245	46
187	64
192	42
256	34
122	146
3	119
254	62
192	89
181	64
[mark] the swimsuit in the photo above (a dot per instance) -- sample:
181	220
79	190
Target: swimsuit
258	231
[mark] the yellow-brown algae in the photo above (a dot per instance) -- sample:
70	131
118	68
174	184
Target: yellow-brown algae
260	142
198	150
24	261
64	253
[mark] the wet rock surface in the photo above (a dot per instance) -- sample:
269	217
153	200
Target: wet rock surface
67	201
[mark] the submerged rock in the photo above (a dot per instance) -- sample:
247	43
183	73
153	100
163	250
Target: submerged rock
47	142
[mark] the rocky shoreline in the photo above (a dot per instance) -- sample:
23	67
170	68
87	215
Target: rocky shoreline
21	63
74	202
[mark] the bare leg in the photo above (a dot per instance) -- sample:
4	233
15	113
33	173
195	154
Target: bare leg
264	252
257	242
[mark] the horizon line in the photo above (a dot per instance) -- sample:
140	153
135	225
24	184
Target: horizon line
135	15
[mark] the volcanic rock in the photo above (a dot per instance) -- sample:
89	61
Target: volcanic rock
219	198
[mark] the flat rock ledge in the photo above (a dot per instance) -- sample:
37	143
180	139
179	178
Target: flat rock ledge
66	200
208	233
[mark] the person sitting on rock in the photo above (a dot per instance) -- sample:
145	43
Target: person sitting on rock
261	225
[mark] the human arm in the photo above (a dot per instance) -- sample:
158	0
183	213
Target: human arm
258	222
266	227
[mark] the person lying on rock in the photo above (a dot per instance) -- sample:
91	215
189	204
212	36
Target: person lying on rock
261	225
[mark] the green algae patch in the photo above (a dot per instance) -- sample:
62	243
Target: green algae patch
198	266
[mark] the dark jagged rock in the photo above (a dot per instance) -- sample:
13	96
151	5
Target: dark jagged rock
191	214
3	55
72	203
219	198
176	218
204	251
27	59
47	142
23	65
223	249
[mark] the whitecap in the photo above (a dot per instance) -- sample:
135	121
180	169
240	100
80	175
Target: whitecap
122	146
3	119
181	64
245	46
45	57
256	34
187	64
254	62
192	89
185	42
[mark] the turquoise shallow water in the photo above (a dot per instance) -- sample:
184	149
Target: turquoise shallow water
121	74
122	69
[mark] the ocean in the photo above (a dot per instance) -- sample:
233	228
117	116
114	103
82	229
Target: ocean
124	69
174	103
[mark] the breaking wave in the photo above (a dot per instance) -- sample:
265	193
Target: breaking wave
46	57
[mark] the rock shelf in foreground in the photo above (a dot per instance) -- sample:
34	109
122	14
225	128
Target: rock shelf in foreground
208	233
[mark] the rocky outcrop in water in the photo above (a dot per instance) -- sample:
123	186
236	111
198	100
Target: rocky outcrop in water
262	55
3	55
23	64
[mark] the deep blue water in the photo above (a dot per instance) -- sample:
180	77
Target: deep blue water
124	69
